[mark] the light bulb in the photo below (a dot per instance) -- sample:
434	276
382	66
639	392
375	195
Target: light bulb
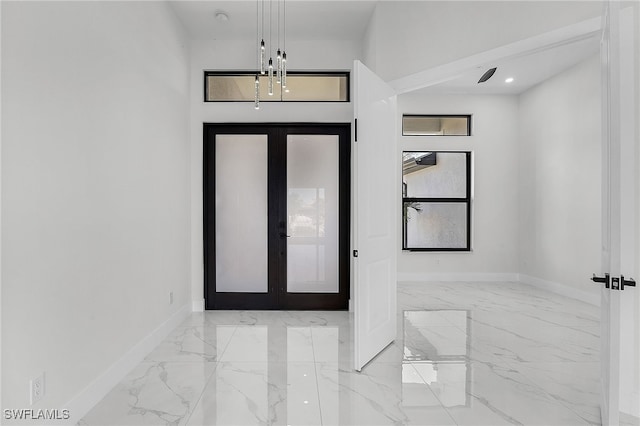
279	66
262	57
270	77
257	93
284	69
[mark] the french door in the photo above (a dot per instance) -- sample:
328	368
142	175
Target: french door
276	216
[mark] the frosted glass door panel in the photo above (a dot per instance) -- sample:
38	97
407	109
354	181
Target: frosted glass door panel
312	213
241	213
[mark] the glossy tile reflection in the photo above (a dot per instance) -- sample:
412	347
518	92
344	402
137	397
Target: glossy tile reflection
465	354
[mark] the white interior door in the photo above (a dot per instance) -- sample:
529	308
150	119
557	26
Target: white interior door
375	207
620	213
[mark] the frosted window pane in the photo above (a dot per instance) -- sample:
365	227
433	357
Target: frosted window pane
436	225
434	174
241	213
312	213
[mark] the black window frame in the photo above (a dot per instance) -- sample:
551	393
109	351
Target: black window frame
346	74
467	116
466	199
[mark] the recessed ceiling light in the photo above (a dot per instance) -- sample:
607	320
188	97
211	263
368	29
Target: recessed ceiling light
222	16
509	80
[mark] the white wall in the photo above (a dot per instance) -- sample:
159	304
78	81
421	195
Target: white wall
405	37
95	188
240	55
560	164
1	133
494	143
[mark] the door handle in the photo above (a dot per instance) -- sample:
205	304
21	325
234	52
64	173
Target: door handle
602	280
630	282
614	283
283	235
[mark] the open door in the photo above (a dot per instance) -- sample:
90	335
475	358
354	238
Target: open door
375	206
609	301
620	216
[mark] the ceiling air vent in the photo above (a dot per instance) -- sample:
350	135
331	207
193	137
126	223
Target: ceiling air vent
487	75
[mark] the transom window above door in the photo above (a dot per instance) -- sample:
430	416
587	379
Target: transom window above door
436	125
225	86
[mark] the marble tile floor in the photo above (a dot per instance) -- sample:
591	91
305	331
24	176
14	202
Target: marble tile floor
465	354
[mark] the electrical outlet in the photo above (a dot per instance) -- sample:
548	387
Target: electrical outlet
36	389
171	298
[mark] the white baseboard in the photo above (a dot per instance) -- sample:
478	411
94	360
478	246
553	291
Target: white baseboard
629	419
470	277
561	289
553	287
197	305
80	405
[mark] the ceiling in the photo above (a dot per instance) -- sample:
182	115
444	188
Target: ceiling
348	20
526	69
306	19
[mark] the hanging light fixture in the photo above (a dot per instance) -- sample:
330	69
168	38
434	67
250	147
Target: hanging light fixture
256	102
262	50
284	44
264	67
259	60
279	53
270	49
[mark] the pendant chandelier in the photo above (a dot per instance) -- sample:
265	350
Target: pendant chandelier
262	66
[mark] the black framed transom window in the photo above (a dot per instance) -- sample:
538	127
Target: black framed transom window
302	86
436	201
436	125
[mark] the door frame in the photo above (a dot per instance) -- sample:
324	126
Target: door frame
276	296
620	225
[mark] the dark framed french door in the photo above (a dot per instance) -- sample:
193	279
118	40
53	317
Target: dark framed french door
276	216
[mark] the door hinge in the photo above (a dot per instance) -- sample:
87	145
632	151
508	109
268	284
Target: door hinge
355	253
356	130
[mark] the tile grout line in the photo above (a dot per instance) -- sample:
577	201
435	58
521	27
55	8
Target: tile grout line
531	378
213	373
315	372
215	369
446	410
235	329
